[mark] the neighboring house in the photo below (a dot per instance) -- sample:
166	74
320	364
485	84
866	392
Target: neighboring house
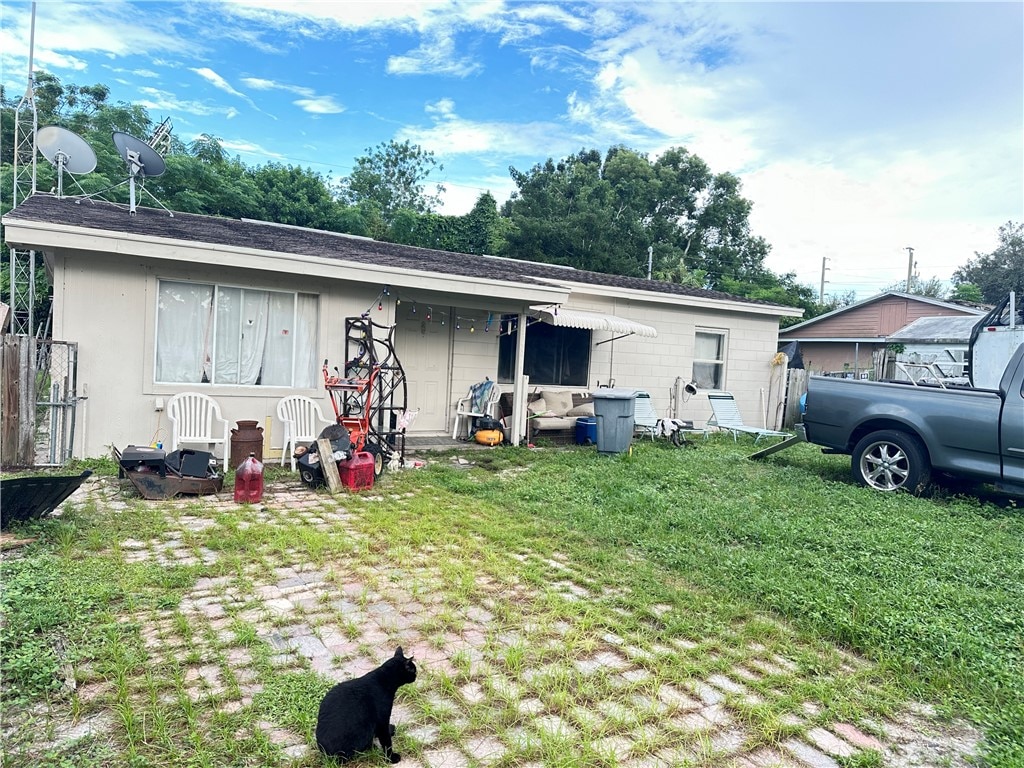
852	340
248	311
940	340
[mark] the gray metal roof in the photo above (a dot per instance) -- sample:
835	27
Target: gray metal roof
944	330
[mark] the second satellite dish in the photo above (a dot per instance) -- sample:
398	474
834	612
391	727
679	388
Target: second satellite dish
65	149
142	159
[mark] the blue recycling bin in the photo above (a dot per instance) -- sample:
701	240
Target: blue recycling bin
613	409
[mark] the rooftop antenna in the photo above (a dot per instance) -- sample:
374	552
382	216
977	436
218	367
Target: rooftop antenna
22	280
143	162
68	152
160	139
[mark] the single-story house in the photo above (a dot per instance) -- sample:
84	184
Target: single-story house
248	311
851	340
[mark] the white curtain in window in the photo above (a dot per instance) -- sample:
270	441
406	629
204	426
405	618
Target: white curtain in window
183	328
307	356
229	320
279	340
241	335
251	337
708	347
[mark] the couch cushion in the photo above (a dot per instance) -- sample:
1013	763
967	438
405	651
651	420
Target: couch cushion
559	403
542	423
584	409
537	407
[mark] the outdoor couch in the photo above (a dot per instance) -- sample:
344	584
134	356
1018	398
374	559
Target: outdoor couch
552	414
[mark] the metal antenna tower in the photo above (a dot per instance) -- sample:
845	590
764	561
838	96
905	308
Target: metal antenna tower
23	263
160	140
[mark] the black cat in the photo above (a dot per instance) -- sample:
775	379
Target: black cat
355	711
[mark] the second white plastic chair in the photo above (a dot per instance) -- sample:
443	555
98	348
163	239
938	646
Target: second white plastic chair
303	421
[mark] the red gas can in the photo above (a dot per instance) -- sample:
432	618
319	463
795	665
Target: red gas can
357	472
249	481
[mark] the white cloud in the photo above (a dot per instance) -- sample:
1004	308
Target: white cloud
217	81
436	56
320	105
158	100
251	151
459	197
66	32
451	135
262	84
310	101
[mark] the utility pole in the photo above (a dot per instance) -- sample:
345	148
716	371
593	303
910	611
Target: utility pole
650	260
821	291
910	268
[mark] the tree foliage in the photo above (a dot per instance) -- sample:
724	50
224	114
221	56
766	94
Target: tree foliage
604	215
588	210
1001	271
392	176
967	292
932	288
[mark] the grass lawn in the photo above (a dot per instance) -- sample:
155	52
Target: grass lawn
670	607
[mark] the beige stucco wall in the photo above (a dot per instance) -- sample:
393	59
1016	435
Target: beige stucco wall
653	364
107	305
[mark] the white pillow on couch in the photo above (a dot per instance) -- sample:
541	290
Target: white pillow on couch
559	403
583	409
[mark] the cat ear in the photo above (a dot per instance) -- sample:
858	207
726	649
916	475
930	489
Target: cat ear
400	654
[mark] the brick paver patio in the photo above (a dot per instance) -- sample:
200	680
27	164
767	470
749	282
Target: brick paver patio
488	654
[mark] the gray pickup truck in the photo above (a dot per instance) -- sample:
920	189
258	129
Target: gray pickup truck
897	433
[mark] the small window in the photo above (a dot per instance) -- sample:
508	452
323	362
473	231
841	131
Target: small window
709	359
554	356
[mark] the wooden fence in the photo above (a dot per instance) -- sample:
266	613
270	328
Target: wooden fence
38	401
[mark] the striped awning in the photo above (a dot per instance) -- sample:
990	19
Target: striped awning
594	321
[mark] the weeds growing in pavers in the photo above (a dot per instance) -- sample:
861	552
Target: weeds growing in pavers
526	593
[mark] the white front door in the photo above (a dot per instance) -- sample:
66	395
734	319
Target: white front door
424	350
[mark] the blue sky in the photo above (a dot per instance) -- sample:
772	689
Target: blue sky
857	129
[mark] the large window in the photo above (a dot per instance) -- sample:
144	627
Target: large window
554	356
709	359
217	334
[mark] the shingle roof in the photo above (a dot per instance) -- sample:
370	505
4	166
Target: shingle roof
265	236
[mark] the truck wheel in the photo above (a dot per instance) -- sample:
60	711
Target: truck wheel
378	458
890	460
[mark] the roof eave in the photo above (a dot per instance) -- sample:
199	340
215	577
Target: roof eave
676	299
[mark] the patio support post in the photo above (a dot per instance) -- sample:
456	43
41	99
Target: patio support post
519	383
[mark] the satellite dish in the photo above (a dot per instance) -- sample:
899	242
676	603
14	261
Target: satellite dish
65	149
143	162
142	159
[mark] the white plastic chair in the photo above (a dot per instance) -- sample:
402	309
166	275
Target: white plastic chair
645	418
196	418
303	421
481	400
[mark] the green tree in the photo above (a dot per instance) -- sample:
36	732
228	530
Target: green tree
604	215
392	177
933	287
292	195
1001	271
967	292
